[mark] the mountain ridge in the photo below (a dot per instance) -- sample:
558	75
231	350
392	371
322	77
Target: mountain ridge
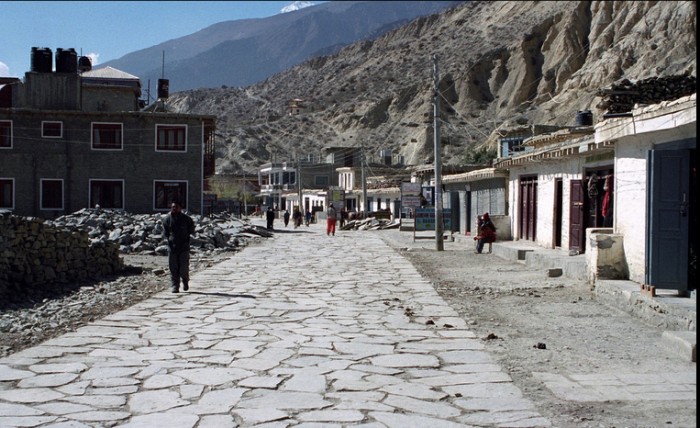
214	56
501	64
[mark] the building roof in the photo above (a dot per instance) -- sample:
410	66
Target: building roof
108	73
479	174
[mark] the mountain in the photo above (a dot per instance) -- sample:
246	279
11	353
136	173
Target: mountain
242	52
499	64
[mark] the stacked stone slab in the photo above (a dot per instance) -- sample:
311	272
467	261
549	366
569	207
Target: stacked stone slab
622	96
33	253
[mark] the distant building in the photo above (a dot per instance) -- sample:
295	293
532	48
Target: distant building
296	106
71	140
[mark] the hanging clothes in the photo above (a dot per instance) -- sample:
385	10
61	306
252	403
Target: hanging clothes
593	186
606	209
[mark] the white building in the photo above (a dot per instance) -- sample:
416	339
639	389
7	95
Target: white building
655	187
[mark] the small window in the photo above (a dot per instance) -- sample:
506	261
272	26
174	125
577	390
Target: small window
51	129
165	192
171	138
7	193
107	194
321	180
107	136
51	194
5	134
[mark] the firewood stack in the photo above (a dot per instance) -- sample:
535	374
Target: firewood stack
622	96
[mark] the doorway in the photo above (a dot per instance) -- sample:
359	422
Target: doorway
672	227
528	208
558	208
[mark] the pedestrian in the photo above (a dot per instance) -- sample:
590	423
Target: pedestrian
177	228
331	218
486	233
343	216
286	218
270	215
296	216
308	217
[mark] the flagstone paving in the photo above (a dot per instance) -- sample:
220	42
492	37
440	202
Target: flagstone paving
302	329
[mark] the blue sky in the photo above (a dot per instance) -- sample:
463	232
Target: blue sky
107	30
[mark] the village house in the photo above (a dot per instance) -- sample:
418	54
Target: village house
556	189
75	138
653	236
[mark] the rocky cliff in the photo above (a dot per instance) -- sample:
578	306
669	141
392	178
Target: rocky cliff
499	63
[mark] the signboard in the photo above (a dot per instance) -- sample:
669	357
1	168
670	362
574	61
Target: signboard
410	195
410	188
425	219
337	198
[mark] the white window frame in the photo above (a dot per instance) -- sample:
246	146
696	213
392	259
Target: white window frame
92	136
108	179
41	194
14	192
172	125
167	208
43	122
12	136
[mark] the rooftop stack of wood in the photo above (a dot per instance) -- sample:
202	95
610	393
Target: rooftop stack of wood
622	96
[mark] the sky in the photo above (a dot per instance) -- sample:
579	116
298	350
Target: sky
107	30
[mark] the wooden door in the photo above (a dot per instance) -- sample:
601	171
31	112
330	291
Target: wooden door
528	208
576	216
668	207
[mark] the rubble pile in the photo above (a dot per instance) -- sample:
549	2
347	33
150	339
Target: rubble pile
143	233
622	96
371	223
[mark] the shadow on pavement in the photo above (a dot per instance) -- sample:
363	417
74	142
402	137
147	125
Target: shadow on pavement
246	296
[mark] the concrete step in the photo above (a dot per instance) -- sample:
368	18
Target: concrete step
681	343
573	267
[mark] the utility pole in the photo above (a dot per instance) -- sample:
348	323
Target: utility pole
439	244
299	182
364	185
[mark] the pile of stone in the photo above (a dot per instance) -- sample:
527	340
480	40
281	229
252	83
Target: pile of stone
371	223
143	233
622	96
33	252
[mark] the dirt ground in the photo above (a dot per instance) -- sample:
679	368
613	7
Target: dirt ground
514	308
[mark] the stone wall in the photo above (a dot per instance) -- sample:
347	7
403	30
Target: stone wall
33	254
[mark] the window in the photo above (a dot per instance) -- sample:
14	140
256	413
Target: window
107	136
51	129
165	192
171	138
5	134
107	193
7	193
51	194
321	180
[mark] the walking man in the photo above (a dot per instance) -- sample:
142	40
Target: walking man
332	218
177	228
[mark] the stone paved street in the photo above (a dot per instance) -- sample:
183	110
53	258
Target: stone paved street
296	330
301	330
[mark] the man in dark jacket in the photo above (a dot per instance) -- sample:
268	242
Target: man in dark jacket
270	215
177	228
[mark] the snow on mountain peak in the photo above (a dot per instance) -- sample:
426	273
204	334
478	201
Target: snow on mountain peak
297	5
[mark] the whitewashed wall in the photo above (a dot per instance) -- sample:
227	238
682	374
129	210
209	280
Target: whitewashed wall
567	169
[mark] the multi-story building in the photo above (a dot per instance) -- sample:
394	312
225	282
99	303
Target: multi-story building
71	139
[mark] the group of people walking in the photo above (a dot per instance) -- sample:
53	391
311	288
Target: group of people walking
178	226
297	217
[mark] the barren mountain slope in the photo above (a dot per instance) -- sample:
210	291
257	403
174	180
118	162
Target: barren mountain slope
499	63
